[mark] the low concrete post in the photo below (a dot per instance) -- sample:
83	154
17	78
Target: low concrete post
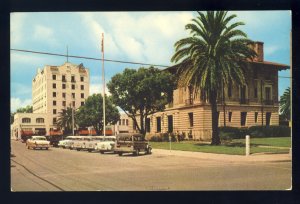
247	145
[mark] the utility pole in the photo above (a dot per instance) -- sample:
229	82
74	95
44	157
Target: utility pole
103	81
72	119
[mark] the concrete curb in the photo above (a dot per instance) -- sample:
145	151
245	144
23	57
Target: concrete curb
225	157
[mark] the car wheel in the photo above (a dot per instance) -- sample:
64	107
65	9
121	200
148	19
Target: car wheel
137	152
101	152
120	153
27	147
78	149
47	148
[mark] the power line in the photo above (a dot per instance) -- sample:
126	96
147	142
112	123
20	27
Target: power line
89	58
98	59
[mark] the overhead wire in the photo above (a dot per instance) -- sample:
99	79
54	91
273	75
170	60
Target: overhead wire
98	59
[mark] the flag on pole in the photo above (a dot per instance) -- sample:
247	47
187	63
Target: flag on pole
102	44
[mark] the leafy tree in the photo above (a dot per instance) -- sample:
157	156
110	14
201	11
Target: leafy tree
65	120
27	109
215	54
285	105
91	114
140	93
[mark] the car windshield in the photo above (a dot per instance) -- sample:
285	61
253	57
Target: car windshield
40	138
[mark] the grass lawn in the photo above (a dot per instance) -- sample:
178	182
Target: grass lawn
273	141
236	147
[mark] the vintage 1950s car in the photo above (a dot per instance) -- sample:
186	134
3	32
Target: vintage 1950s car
132	143
38	142
107	144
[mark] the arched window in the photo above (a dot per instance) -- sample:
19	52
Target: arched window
26	120
40	120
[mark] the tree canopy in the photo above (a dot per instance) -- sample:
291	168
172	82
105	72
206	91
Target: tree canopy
215	54
140	93
285	105
65	120
91	114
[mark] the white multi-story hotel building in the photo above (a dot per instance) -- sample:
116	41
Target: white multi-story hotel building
53	88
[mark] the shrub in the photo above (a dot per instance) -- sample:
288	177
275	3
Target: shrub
156	139
270	131
229	133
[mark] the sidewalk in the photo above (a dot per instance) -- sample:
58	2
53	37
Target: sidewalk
226	157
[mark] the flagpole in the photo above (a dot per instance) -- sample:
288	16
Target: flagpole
103	81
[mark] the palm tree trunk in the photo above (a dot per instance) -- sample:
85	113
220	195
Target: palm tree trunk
214	115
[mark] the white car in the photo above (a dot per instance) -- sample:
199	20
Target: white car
106	145
38	142
91	144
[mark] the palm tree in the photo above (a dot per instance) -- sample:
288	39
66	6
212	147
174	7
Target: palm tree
215	53
285	104
65	119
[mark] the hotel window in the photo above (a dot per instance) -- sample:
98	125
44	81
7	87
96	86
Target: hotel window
64	103
82	87
40	120
229	116
64	95
158	124
243	118
191	119
54	94
72	78
82	103
54	85
64	86
54	111
63	78
73	103
127	122
82	95
26	120
54	121
82	78
54	103
255	117
73	95
73	86
54	77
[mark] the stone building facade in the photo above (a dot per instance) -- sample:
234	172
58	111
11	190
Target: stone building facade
53	88
254	104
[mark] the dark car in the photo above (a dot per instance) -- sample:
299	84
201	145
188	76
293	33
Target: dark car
132	143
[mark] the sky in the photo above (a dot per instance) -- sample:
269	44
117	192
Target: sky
145	37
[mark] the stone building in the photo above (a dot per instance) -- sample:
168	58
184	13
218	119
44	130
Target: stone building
245	106
53	88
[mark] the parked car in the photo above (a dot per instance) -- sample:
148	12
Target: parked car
37	142
69	143
107	144
62	143
91	144
54	139
132	143
80	142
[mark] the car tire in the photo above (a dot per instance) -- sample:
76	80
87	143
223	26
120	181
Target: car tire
78	149
120	153
101	152
47	148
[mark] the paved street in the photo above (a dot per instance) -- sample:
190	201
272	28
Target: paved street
70	170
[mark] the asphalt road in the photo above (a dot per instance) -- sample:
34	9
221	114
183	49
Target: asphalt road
70	170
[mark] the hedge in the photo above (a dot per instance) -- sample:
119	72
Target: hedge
228	133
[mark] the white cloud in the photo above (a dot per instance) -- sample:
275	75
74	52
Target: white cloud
98	88
16	26
269	50
16	103
20	89
142	37
45	35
